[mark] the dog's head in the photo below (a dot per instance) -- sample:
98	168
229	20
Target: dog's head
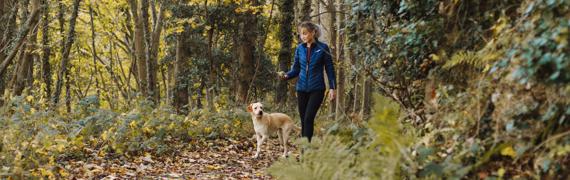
256	109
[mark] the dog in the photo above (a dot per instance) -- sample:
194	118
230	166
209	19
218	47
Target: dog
265	124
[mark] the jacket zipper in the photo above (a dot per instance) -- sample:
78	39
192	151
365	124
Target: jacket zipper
307	69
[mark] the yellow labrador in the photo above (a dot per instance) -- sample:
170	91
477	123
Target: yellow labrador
266	124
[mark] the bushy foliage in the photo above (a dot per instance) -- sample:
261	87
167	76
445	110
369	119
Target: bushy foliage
498	104
541	49
34	140
376	151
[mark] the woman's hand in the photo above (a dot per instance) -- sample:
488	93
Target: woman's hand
282	75
332	95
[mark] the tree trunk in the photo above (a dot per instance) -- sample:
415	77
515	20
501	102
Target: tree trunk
24	74
306	10
94	52
46	67
246	54
340	63
181	75
139	48
211	82
285	36
154	48
18	45
151	64
66	50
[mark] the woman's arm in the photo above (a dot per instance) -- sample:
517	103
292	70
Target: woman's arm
295	68
329	67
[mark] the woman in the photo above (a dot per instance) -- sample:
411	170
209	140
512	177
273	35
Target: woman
311	56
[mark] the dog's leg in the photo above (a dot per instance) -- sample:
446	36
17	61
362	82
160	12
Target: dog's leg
279	136
259	143
258	137
285	136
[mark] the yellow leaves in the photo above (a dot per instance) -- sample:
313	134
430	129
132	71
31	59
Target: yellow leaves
501	172
248	8
207	130
213	167
500	25
29	98
237	123
63	173
194	122
133	124
147	129
45	173
105	135
434	57
509	151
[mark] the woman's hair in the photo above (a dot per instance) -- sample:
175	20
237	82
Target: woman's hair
311	27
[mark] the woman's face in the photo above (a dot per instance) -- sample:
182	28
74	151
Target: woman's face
307	35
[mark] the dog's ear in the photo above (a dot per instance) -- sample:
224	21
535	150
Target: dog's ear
249	108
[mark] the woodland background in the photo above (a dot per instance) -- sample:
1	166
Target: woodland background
426	89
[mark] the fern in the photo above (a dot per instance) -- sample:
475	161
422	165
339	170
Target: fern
469	58
379	156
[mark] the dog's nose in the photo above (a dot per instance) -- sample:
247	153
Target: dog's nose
260	112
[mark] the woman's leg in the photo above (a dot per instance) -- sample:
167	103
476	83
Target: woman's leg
302	100
313	105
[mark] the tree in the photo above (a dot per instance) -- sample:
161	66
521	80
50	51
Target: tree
24	74
66	50
246	53
46	50
19	42
306	10
181	82
285	36
139	47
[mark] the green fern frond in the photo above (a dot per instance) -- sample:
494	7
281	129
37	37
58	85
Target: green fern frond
469	58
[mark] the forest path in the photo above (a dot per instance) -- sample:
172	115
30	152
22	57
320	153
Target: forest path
199	159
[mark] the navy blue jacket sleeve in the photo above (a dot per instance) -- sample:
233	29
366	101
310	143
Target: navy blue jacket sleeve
295	68
329	67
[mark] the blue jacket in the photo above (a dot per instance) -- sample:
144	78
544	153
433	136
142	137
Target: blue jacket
311	75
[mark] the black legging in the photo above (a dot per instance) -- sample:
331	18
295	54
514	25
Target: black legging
309	103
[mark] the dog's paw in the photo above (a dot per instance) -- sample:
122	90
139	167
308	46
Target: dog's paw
255	156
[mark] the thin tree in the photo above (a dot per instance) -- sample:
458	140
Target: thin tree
181	75
24	31
246	53
139	48
46	67
66	50
23	75
306	10
285	36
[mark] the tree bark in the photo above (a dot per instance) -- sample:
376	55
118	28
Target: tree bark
246	54
340	100
285	36
24	74
18	45
139	48
46	67
154	48
66	50
151	64
181	83
306	10
94	51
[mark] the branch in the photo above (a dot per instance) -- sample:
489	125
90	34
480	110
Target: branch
20	42
342	12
